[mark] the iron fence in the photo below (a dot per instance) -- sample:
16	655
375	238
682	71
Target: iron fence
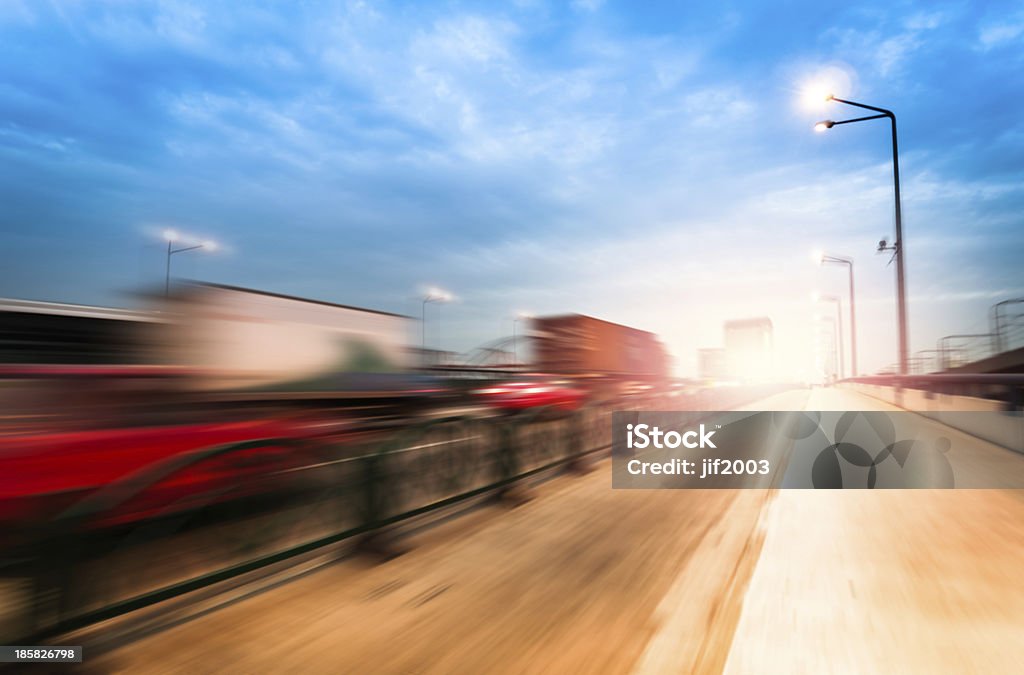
142	539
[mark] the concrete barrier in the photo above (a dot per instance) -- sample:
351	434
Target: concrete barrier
998	425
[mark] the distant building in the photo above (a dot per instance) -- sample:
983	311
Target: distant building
750	349
712	364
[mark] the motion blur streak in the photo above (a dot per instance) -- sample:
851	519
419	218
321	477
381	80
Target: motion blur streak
227	435
198	455
585	579
223	434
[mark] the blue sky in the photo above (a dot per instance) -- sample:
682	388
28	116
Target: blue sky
647	163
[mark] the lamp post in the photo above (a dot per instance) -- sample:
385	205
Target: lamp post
432	295
898	245
171	236
826	258
817	297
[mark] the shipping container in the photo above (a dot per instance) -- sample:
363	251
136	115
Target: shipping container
581	345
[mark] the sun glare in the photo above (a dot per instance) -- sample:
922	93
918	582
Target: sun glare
816	90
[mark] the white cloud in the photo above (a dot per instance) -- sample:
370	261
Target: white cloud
888	51
1000	33
926	20
605	171
463	38
467	81
587	5
892	52
16	11
717	106
180	22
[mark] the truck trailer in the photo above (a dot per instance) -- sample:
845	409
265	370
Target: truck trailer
584	346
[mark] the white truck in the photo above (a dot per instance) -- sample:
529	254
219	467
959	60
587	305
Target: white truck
234	338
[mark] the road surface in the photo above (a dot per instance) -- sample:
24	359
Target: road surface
586	579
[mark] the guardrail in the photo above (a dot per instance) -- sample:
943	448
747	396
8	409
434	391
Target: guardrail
951	398
279	499
1007	388
149	537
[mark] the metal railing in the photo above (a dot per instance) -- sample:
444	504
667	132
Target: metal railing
154	535
1005	387
1006	334
280	499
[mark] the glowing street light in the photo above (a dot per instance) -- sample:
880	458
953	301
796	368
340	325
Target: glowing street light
822	258
898	245
172	236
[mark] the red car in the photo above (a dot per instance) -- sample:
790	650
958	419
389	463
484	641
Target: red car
75	432
531	392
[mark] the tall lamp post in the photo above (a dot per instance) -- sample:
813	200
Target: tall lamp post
817	297
827	259
171	236
897	246
432	295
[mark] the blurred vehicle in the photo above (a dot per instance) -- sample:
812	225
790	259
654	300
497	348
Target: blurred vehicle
73	431
45	473
233	345
632	389
95	398
583	346
142	400
532	392
238	338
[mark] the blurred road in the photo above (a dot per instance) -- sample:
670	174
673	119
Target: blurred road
587	579
859	581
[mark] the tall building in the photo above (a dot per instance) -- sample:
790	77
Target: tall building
750	349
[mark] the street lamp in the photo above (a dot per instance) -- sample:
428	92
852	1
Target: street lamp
172	236
432	295
897	246
823	258
817	297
